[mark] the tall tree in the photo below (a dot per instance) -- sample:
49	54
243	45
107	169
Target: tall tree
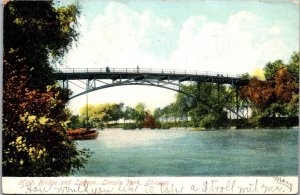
140	112
293	66
128	113
278	95
205	105
34	114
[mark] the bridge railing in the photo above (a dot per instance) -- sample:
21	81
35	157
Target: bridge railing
146	70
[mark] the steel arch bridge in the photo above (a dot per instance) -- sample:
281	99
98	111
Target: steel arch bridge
92	79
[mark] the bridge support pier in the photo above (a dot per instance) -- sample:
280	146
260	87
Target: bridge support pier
198	89
237	101
87	102
65	84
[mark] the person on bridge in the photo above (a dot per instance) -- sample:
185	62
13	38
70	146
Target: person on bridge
107	69
138	69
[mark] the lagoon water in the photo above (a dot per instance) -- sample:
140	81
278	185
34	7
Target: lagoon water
137	153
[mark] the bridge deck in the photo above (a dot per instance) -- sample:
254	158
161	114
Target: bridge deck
139	74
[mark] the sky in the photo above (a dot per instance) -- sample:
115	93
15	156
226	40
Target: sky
228	36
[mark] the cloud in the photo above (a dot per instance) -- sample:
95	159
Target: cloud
120	37
240	45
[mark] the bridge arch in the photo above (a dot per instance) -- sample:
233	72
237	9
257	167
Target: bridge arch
92	89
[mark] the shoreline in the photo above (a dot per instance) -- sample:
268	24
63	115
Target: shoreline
198	129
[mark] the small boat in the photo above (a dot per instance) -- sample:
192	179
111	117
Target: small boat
82	134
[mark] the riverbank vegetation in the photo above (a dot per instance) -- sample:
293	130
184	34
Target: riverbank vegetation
114	115
275	100
36	35
270	100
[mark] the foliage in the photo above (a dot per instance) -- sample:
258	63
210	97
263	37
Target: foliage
271	69
210	106
74	122
245	76
215	120
157	113
139	113
150	121
278	96
34	114
100	114
169	111
128	113
132	126
293	66
35	31
259	92
205	105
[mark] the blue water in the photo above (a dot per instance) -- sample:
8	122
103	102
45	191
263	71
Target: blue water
140	153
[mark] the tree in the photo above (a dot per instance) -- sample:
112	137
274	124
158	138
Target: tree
115	111
285	85
150	121
211	101
140	113
35	31
101	113
205	99
271	68
170	111
293	66
34	113
157	113
74	122
259	92
278	95
128	113
88	115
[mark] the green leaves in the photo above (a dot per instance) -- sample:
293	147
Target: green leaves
205	105
101	113
35	29
271	68
34	115
293	66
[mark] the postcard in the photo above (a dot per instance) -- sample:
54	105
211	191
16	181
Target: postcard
150	97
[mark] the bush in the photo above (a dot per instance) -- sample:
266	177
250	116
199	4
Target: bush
215	121
130	126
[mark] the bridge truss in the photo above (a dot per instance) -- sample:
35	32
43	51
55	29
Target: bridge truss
95	79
